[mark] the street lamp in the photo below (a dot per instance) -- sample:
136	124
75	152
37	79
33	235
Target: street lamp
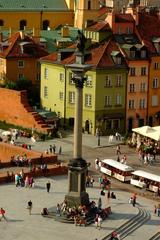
99	138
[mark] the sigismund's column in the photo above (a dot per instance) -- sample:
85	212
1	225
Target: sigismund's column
77	166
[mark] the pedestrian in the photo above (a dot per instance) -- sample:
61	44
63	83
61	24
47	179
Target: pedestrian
50	148
99	222
2	213
91	181
100	203
118	149
29	206
96	221
54	148
158	211
155	209
60	150
48	186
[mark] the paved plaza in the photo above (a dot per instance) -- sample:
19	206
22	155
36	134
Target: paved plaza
21	225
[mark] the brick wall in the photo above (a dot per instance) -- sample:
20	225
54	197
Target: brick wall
15	109
7	150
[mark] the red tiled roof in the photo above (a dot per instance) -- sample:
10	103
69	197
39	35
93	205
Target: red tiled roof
149	27
31	49
127	17
99	26
103	10
100	56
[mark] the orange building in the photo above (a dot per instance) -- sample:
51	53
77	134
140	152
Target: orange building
136	55
19	59
149	29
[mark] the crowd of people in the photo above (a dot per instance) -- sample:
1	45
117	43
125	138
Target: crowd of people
19	160
24	181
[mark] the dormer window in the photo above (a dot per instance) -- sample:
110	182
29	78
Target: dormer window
118	60
143	54
132	54
128	30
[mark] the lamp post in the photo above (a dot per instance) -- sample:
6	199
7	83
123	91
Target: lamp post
99	138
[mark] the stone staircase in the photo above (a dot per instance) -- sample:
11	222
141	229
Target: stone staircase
130	226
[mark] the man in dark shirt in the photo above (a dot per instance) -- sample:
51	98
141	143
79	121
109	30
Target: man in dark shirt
48	186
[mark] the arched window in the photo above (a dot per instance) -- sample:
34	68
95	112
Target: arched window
22	24
1	22
45	25
89	5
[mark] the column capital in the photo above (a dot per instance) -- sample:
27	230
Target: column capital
79	82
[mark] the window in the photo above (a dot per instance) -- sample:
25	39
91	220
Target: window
142	103
38	77
72	97
88	100
118	80
89	81
154	100
46	73
71	78
20	76
119	30
118	99
118	60
61	77
45	25
1	22
156	65
115	123
61	96
143	54
22	24
132	54
143	87
132	71
128	30
45	92
20	63
155	83
131	104
143	71
108	81
89	5
131	87
108	101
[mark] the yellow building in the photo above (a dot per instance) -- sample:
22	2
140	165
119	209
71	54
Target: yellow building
103	92
35	15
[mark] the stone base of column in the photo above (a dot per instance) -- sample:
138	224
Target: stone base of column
73	200
77	194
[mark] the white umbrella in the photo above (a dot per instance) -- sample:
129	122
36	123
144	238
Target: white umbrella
144	130
6	133
154	135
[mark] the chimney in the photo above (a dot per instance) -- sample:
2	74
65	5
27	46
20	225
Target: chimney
22	34
65	31
10	32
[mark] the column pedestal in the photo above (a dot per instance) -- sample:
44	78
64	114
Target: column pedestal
77	183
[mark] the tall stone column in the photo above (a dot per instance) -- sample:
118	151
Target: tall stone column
77	166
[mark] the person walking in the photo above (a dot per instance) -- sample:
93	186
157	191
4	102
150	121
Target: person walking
48	186
60	150
99	222
2	213
29	206
118	149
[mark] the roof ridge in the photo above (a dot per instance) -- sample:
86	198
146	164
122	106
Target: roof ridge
103	51
15	38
